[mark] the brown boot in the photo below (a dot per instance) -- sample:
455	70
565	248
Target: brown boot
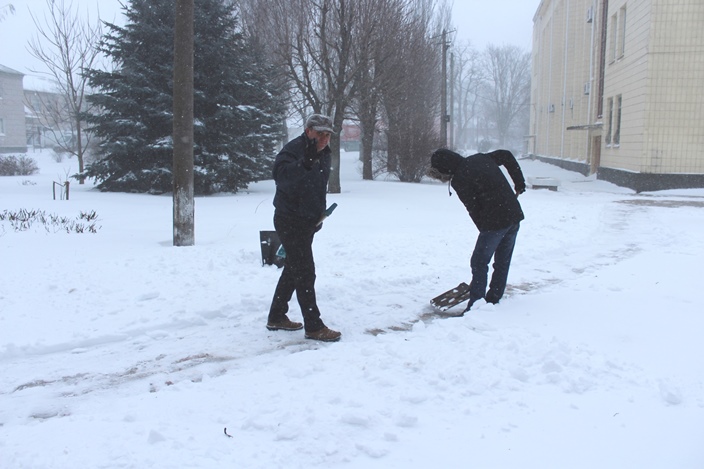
285	325
324	334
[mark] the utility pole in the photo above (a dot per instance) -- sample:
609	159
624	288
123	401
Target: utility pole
443	92
452	101
444	116
183	125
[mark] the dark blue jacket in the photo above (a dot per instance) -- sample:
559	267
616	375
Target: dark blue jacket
300	192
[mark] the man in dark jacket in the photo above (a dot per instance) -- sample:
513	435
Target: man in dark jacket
301	173
493	206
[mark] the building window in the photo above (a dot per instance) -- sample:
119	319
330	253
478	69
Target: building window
609	119
614	38
621	39
617	121
618	35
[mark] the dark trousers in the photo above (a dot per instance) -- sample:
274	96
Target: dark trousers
299	272
499	245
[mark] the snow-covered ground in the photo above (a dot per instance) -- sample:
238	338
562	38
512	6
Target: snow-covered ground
118	350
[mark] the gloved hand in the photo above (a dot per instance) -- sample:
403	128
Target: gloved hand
310	153
520	189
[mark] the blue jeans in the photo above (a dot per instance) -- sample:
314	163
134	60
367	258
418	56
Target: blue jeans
499	245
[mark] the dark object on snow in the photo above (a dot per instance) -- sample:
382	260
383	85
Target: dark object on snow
270	244
451	297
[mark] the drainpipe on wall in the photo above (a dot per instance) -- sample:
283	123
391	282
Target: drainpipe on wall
591	83
564	79
547	114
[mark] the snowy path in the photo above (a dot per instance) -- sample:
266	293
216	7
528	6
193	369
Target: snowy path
119	350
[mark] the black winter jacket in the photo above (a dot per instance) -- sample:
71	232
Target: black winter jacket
300	192
482	187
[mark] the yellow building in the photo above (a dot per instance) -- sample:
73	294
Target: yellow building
618	90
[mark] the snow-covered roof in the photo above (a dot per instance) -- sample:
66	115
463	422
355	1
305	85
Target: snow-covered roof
9	70
40	83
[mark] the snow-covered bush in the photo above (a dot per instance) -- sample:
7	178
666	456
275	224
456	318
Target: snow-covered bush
23	220
17	166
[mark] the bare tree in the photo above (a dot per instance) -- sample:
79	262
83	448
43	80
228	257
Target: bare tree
508	87
323	65
361	59
468	77
7	9
315	42
411	96
67	46
382	20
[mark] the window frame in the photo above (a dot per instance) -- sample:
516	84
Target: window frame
621	40
617	121
609	116
614	38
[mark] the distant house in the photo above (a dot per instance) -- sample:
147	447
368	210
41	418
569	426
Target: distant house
13	134
47	114
350	137
617	90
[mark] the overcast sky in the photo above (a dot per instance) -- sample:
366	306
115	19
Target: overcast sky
482	22
496	22
17	29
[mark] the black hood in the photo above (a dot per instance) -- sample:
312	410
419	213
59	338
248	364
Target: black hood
445	161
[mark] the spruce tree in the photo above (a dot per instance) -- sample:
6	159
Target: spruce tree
238	113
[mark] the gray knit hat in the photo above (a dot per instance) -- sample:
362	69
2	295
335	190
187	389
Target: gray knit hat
319	123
